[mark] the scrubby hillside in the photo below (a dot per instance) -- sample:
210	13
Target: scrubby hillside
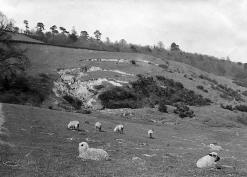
80	72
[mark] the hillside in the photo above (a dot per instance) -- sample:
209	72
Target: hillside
37	142
118	67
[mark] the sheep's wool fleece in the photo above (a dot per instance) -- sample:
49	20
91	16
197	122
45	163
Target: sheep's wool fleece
93	154
74	123
206	162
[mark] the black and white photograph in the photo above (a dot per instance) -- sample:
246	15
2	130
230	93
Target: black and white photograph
123	88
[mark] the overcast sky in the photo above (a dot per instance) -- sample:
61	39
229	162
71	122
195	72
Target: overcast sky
213	27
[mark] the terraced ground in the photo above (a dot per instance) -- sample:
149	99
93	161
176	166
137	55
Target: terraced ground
37	143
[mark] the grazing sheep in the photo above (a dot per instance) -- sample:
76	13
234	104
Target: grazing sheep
215	147
87	153
74	125
98	126
150	133
119	128
208	161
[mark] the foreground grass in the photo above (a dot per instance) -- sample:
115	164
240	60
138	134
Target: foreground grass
42	146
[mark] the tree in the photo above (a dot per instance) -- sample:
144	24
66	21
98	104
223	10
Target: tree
12	59
40	26
63	30
123	43
73	36
27	27
84	35
97	35
160	45
174	47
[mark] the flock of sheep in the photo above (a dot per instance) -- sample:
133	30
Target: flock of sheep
87	153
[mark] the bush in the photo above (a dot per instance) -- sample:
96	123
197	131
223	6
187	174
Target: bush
242	108
244	93
133	62
200	87
163	66
229	107
162	106
146	91
183	111
208	79
75	102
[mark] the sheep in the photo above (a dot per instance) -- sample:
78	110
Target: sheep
98	126
208	161
74	125
150	133
86	153
215	147
119	128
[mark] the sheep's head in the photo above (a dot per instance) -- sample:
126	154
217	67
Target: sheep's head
215	156
83	146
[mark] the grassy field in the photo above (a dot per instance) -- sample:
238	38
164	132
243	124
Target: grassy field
38	143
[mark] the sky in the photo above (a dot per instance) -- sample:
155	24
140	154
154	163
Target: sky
213	27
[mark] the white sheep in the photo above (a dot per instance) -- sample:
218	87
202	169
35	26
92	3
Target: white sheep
150	133
98	126
87	153
74	125
119	128
208	161
214	147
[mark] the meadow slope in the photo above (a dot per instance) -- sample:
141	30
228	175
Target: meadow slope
42	146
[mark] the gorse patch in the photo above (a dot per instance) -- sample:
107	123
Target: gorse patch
148	91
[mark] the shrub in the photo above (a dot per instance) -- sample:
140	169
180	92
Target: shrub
200	87
244	93
229	107
75	102
133	62
162	106
208	79
98	87
183	111
146	91
163	66
242	108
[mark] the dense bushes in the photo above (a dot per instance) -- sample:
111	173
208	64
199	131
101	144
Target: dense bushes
229	107
25	90
75	102
162	106
242	108
147	91
183	111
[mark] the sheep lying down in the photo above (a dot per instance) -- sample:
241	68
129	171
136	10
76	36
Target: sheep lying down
87	153
208	161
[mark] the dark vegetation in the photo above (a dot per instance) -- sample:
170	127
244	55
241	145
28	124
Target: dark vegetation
75	102
162	106
150	91
200	87
229	107
183	111
242	108
24	89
